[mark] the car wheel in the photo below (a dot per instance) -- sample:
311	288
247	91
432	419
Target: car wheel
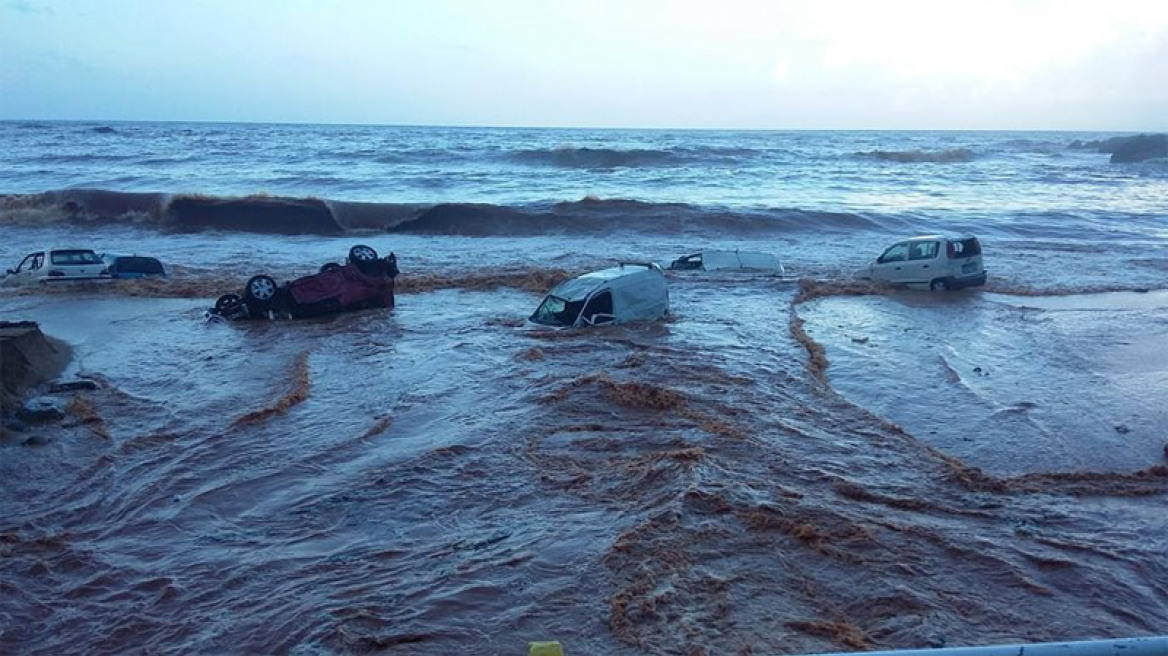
362	253
227	302
331	266
365	259
261	288
939	285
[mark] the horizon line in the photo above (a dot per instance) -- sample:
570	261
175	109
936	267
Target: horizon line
470	126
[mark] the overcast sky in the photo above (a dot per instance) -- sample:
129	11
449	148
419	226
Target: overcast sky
935	64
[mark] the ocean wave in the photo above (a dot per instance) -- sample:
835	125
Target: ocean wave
949	156
608	216
83	158
568	156
282	215
595	158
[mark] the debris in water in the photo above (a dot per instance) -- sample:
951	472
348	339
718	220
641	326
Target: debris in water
74	386
549	648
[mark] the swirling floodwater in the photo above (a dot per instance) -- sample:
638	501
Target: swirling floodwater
788	464
781	467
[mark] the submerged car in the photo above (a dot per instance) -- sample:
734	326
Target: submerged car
629	292
133	266
720	260
60	265
364	281
932	261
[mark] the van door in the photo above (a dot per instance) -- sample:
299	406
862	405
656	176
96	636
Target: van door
30	267
598	310
22	268
891	263
922	265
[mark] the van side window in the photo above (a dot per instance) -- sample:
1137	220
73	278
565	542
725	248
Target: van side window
923	250
25	264
599	309
895	253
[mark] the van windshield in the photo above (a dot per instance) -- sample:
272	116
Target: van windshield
555	311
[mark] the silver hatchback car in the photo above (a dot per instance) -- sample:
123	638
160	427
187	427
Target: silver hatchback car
931	261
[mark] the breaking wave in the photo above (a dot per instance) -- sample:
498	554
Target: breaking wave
582	157
595	158
950	156
292	216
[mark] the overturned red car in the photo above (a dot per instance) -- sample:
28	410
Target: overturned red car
364	281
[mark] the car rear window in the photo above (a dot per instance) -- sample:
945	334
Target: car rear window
148	265
74	257
964	248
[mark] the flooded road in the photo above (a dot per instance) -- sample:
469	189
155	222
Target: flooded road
439	478
1006	383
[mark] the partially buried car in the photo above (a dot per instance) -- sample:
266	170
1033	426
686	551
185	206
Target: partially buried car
933	262
632	291
59	265
714	260
364	281
125	267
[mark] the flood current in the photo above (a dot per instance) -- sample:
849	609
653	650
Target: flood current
788	464
780	467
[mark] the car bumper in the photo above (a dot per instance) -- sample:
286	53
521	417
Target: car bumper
972	281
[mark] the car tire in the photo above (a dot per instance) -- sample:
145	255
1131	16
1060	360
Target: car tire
362	253
262	289
331	266
940	285
365	258
228	303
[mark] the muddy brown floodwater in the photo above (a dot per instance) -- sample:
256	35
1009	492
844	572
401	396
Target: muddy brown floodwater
439	479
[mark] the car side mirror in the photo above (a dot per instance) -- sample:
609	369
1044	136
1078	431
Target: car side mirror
11	271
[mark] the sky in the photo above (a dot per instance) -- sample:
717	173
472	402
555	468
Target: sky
754	64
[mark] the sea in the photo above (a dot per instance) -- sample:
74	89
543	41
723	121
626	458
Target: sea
791	462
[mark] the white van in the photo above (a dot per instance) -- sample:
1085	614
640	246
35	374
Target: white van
717	260
60	265
629	292
931	261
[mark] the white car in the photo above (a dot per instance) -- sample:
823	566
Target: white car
60	265
718	260
932	261
629	292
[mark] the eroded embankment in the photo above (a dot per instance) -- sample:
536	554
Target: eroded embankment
27	359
